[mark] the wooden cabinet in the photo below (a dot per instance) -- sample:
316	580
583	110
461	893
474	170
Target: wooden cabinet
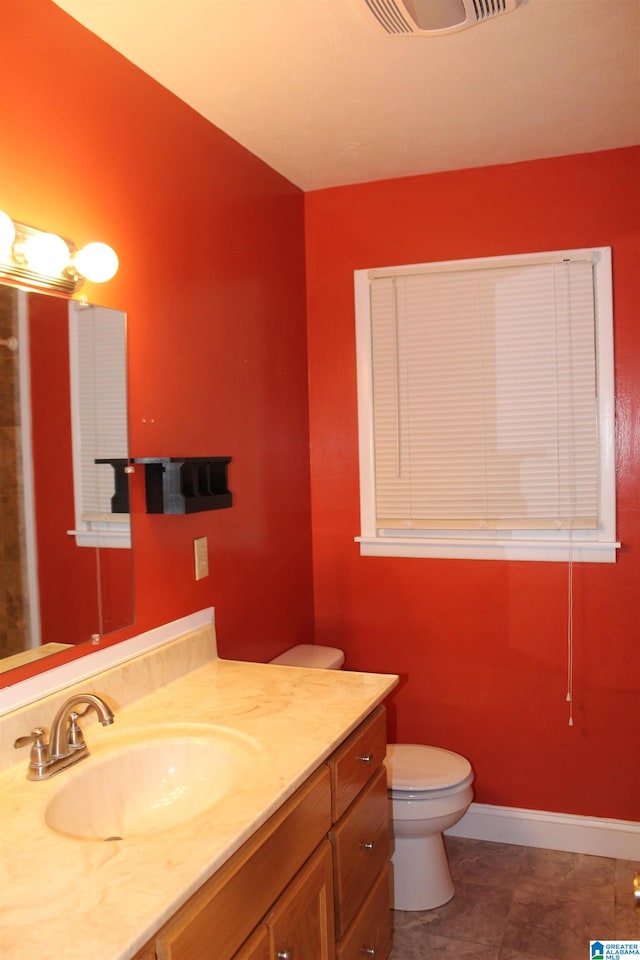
360	842
311	884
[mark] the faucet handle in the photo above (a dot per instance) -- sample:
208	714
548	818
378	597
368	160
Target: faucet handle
39	749
36	736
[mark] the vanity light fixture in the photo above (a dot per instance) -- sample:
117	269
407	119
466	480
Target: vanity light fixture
34	258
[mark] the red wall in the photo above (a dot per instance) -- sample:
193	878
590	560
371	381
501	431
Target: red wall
481	645
211	247
211	243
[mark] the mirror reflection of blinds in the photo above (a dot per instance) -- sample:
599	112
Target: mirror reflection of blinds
484	396
103	408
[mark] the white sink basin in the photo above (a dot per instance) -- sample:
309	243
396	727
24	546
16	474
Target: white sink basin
151	779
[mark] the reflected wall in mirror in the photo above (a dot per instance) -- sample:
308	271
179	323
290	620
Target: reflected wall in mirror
65	542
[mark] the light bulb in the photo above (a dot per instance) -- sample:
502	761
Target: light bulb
46	253
7	233
97	262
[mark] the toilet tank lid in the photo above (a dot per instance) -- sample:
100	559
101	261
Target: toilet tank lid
415	766
311	655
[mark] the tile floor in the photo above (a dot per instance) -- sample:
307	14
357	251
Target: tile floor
521	903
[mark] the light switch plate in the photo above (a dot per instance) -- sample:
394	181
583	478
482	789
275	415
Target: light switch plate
201	557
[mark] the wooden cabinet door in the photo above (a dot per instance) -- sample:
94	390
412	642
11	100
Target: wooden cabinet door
256	947
301	924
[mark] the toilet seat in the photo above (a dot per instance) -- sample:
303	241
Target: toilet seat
415	769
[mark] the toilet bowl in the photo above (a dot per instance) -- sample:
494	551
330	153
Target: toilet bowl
429	791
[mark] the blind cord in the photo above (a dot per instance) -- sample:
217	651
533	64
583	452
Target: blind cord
572	488
570	630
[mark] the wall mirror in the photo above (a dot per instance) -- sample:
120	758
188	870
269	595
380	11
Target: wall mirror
67	564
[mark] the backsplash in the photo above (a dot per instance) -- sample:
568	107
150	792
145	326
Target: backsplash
119	686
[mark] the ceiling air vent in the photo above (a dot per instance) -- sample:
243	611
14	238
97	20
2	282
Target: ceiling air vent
432	17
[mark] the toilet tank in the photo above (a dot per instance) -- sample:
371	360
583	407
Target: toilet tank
311	655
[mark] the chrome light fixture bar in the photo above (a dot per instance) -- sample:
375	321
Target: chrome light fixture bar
34	258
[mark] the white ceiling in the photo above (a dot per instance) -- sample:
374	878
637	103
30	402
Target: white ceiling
318	91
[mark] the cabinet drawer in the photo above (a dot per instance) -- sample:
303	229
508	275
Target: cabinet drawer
360	849
355	762
221	915
370	932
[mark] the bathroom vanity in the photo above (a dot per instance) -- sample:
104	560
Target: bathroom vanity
289	861
314	874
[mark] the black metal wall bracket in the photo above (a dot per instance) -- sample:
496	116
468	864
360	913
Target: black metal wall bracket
120	498
186	484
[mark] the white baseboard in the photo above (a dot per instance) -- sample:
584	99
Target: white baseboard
553	831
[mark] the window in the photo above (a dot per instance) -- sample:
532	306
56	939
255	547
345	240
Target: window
97	357
486	409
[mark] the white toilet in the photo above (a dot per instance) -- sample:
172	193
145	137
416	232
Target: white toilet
430	790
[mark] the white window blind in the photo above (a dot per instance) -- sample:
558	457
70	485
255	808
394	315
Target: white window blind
103	407
484	413
97	341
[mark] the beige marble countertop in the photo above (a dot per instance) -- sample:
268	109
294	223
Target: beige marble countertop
70	899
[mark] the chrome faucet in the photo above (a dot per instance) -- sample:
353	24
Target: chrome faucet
66	742
66	736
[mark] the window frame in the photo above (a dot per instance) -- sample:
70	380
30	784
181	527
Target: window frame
598	545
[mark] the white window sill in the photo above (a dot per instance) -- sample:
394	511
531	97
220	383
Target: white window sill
113	535
578	551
